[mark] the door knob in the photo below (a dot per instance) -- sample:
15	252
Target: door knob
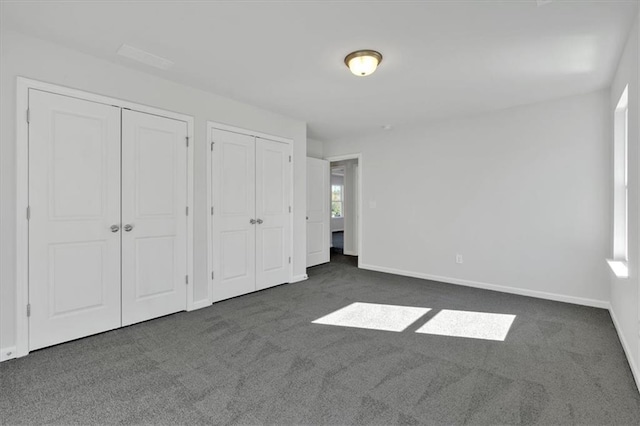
115	228
128	227
260	221
252	221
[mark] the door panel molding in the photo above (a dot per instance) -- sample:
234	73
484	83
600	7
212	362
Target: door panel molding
24	85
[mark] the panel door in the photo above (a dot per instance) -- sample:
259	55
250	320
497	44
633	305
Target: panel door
318	211
74	198
273	201
154	218
234	229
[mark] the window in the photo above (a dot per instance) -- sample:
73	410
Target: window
621	188
337	199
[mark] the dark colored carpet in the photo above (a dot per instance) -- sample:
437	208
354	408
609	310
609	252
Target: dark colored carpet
258	359
337	240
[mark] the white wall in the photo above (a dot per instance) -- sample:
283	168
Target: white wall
523	194
625	301
315	148
42	60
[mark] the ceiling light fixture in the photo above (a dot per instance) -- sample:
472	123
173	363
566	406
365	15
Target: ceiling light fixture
363	62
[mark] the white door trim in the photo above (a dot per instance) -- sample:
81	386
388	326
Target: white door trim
358	157
211	125
22	188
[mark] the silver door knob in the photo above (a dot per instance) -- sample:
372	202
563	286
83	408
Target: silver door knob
252	221
260	221
115	228
128	227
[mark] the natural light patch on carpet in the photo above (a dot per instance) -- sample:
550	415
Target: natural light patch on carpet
374	316
474	325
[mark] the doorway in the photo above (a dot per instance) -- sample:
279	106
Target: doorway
345	208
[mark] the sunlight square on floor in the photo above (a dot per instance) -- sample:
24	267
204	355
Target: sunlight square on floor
475	325
374	316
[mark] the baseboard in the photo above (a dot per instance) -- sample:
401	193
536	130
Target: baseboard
199	305
299	278
8	353
350	253
495	287
634	368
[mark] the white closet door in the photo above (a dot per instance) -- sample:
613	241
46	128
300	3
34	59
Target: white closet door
234	209
74	198
273	199
318	212
154	221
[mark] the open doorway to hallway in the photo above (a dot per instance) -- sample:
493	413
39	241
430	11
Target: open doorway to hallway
344	196
334	225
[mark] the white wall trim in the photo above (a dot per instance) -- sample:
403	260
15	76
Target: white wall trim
627	351
356	156
495	287
8	353
204	303
298	278
22	188
211	125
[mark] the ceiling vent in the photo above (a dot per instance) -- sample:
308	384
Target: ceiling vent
144	57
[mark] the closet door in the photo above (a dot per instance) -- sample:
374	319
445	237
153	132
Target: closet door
273	199
234	228
154	220
74	235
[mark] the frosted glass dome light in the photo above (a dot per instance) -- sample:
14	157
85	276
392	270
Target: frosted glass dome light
363	62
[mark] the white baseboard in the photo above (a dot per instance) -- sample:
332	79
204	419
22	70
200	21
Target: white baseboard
299	278
495	287
199	305
8	353
625	346
350	253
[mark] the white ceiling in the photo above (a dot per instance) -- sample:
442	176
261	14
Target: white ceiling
441	58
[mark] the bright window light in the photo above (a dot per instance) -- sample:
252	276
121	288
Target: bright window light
374	316
474	325
619	268
620	180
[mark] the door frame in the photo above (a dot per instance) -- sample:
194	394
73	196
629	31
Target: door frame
356	156
22	191
211	125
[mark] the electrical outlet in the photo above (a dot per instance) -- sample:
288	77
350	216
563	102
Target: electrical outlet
459	258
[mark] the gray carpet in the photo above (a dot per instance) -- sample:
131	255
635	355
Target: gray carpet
258	359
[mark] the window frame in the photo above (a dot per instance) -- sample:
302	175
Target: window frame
621	187
341	201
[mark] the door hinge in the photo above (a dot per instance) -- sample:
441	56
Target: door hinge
187	138
289	158
187	210
289	209
29	309
212	143
289	259
213	275
28	115
28	212
186	279
211	210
